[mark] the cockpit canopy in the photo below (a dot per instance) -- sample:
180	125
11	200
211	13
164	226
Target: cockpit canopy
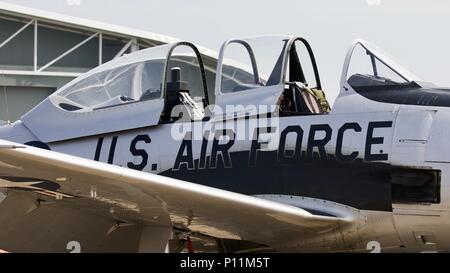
143	88
125	93
269	62
134	81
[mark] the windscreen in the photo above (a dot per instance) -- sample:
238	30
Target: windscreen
368	69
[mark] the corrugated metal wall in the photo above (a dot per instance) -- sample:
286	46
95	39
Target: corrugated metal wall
19	93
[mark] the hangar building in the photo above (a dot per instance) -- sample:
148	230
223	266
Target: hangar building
40	51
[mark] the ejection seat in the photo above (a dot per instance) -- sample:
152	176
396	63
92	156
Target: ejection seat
178	94
299	98
306	100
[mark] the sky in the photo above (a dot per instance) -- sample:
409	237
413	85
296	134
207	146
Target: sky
416	33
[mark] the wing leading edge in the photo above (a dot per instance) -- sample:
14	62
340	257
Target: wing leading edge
143	197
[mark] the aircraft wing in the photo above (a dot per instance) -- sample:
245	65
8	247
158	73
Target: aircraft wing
51	188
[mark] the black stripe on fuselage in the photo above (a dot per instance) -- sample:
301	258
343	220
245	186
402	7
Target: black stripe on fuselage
357	183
